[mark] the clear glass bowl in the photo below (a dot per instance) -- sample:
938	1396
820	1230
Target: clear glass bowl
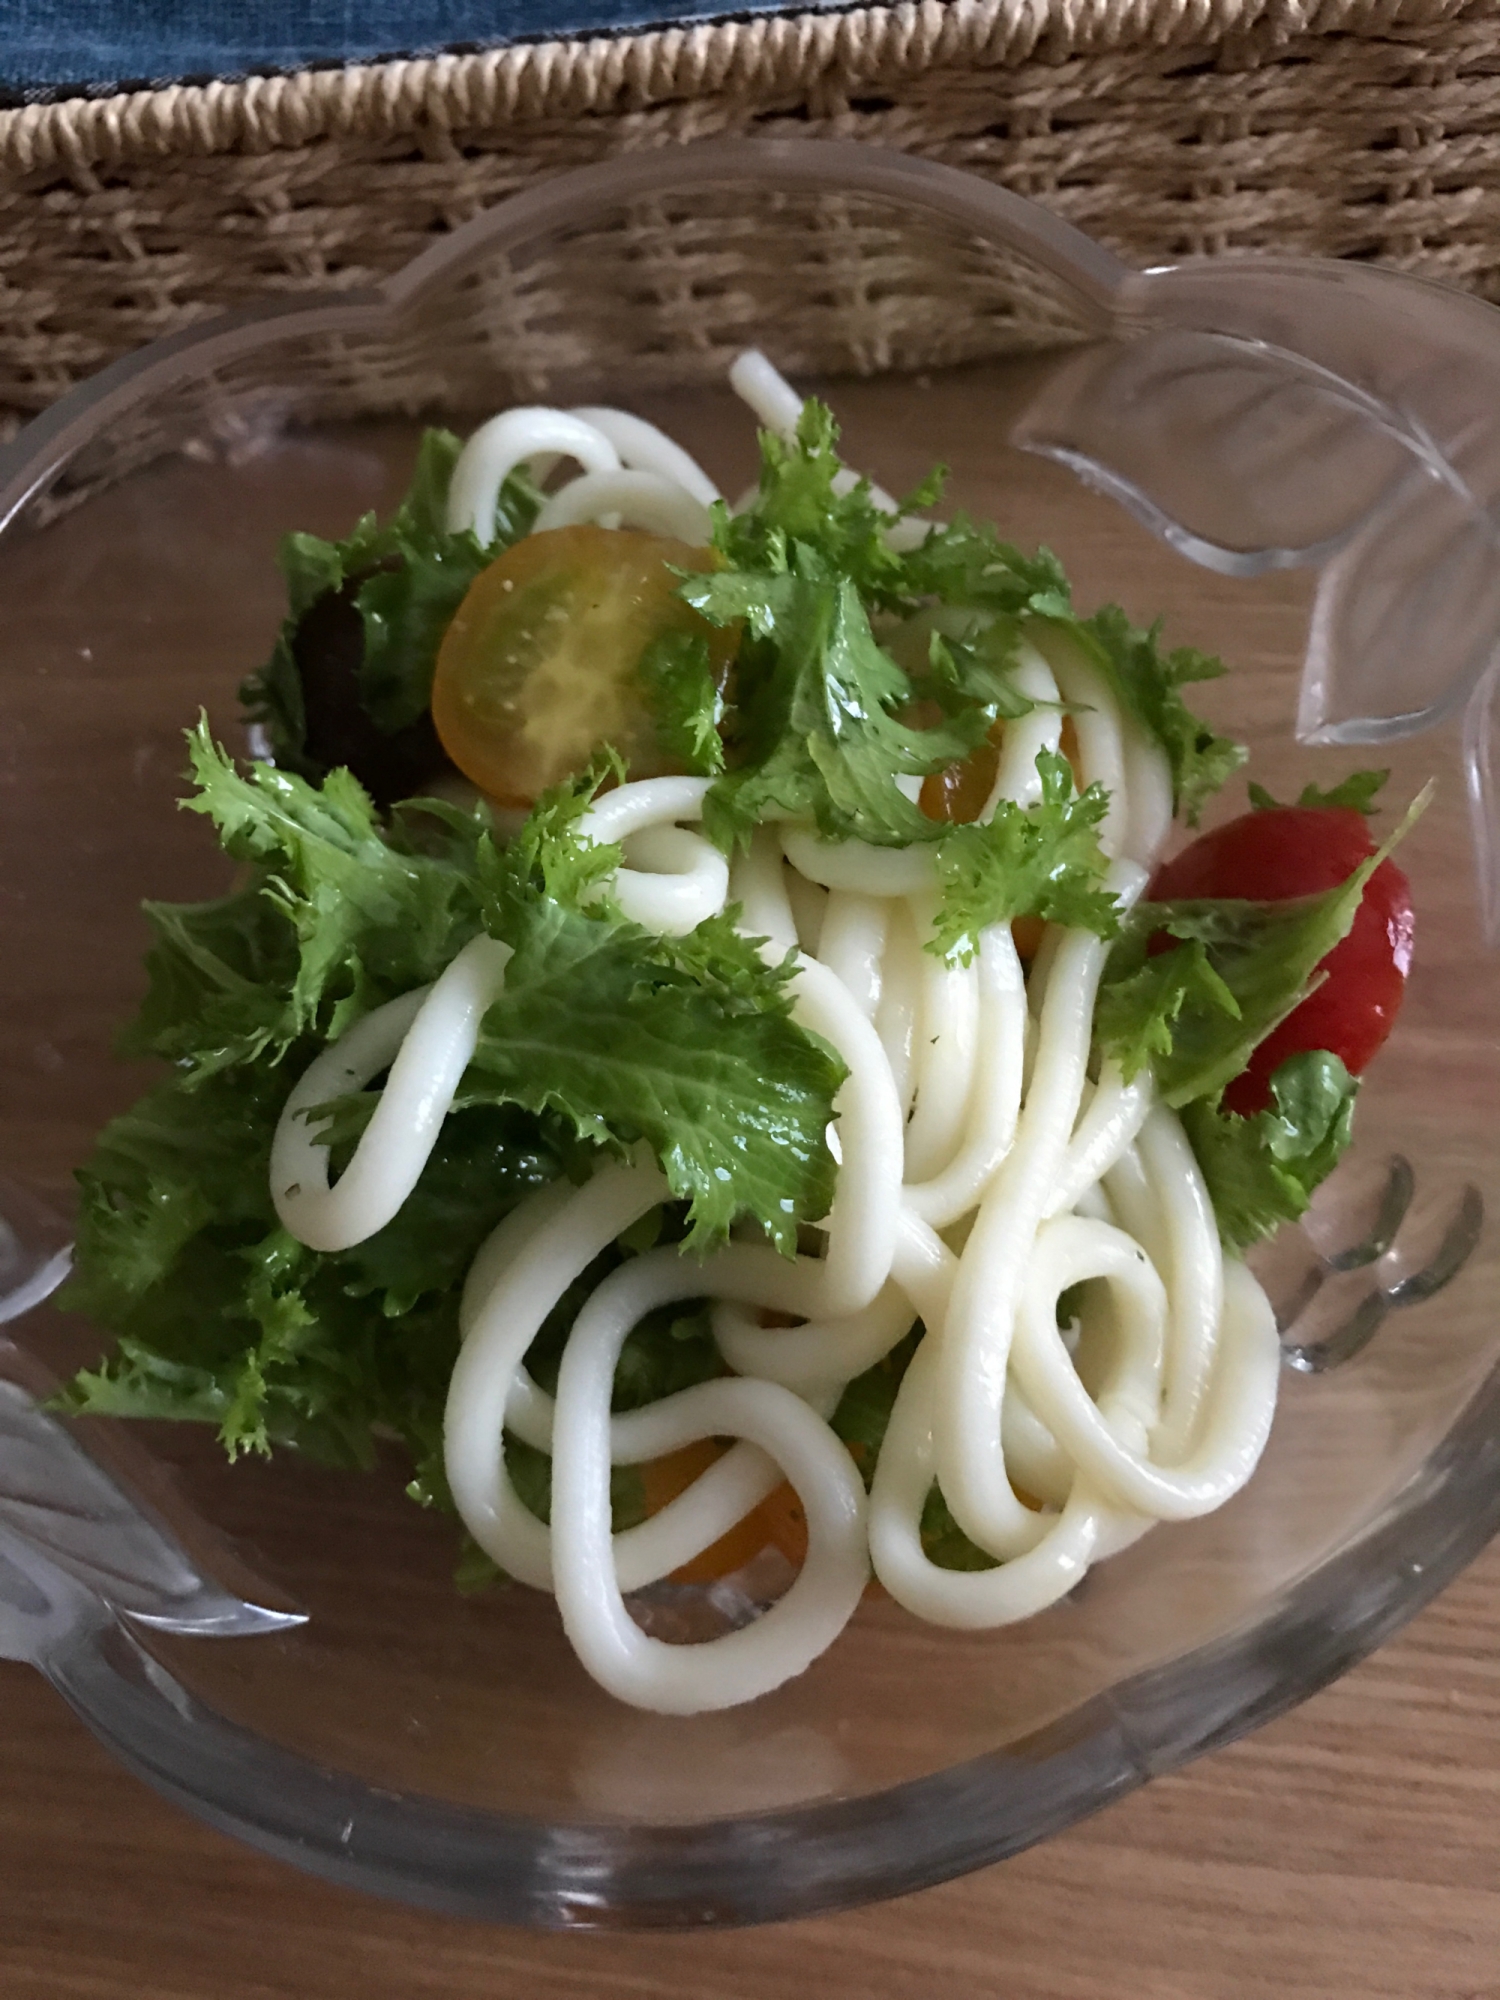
279	1647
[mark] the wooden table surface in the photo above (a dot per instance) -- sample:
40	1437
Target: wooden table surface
1349	1850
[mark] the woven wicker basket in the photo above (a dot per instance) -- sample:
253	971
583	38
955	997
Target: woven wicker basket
1355	128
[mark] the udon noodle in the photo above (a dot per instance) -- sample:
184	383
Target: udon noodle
983	1173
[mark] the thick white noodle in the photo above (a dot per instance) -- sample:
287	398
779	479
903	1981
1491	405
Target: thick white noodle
502	1323
757	382
968	1109
1097	726
644	448
1041	729
863	1221
856	865
809	1356
995	1101
757	882
511	439
1060	1551
975	1352
687	1680
770	396
1148	786
1116	1112
630	500
809	906
1039	1467
908	533
672	879
896	1013
947	1048
1193	1264
547	1256
647	802
1114	1456
851	943
1114	751
924	1267
431	1043
1132	1203
528	1409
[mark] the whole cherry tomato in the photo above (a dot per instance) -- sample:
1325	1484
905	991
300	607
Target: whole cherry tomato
538	667
1288	851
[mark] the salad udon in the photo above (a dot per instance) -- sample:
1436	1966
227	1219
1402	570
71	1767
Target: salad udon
706	1051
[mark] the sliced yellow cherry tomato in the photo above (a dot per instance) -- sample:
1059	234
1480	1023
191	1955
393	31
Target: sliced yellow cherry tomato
539	666
960	792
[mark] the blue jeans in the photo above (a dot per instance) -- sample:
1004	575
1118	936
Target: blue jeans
65	47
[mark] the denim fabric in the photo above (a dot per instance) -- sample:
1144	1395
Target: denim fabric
49	47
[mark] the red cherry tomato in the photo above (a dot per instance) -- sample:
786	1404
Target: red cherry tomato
1290	851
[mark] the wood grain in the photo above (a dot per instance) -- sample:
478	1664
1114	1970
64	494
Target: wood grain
1350	1849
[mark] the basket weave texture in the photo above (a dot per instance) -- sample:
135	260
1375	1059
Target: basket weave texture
1167	128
